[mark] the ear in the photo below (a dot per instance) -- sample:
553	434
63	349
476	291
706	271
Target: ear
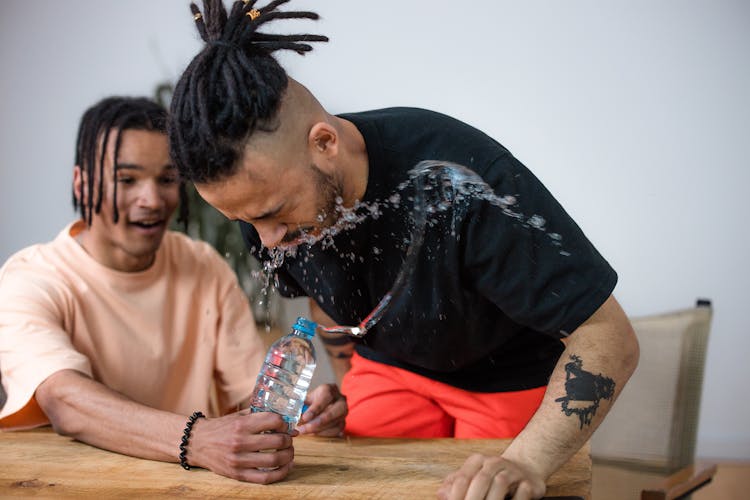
79	184
323	143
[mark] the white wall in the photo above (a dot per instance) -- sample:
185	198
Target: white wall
633	115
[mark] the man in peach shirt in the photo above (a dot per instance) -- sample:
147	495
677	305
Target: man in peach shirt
119	329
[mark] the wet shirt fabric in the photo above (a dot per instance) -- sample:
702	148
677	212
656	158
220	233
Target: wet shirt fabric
161	337
491	295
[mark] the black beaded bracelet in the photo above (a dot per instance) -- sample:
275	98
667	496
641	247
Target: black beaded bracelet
186	437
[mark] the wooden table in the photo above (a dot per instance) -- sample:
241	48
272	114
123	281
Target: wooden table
41	463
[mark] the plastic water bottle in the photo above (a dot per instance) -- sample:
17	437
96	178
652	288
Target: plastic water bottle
285	376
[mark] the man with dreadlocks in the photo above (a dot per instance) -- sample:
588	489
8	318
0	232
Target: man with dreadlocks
118	329
474	348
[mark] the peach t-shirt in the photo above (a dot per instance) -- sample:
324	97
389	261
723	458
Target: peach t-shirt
161	337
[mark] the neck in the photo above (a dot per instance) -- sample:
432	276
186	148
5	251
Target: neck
111	256
353	161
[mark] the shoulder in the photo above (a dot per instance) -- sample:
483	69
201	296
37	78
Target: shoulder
196	256
35	272
419	126
182	247
40	259
398	115
24	262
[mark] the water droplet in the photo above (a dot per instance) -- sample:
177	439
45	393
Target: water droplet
537	221
440	187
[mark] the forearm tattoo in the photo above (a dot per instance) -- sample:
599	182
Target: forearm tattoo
583	391
343	347
339	354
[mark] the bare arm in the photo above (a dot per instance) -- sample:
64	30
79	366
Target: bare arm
88	411
338	347
326	415
598	360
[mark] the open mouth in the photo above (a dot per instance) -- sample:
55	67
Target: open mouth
305	234
148	224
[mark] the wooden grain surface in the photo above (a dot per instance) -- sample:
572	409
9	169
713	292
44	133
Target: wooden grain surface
39	463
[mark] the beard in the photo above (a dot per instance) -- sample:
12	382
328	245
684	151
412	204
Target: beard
329	190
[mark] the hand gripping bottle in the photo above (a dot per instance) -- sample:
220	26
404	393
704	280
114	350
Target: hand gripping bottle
286	373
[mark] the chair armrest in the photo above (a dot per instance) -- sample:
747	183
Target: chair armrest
682	482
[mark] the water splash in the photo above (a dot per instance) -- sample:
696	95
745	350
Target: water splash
438	187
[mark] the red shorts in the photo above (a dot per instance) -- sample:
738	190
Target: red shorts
385	401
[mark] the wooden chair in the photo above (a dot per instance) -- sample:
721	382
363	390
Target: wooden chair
680	484
653	425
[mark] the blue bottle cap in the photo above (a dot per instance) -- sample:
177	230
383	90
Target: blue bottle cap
305	326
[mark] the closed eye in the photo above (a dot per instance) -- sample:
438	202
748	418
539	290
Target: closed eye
267	215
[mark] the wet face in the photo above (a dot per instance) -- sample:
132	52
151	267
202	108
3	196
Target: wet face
282	203
147	195
328	199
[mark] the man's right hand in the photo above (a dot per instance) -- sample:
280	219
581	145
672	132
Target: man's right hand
247	446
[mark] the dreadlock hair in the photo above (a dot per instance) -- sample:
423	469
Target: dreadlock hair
119	114
232	88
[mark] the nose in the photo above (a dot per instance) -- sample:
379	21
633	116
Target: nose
150	195
270	233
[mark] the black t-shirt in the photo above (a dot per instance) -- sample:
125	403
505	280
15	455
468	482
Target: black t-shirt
490	296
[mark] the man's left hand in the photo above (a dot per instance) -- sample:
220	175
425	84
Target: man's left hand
491	477
326	413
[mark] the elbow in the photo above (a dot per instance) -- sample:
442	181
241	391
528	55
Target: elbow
631	351
62	423
56	400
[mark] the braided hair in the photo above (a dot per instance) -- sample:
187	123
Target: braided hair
120	114
232	88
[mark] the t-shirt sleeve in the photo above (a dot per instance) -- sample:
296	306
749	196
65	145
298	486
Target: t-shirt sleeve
530	258
239	349
34	342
